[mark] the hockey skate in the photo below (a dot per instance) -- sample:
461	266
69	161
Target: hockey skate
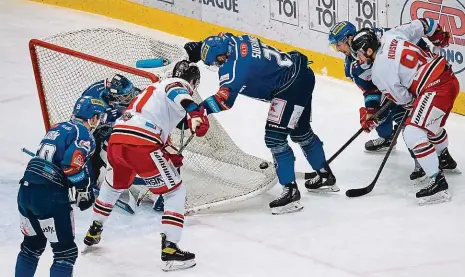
174	258
447	163
436	192
378	145
418	176
93	235
288	202
323	181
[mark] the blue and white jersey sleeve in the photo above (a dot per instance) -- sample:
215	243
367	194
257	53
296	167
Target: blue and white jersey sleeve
81	146
232	77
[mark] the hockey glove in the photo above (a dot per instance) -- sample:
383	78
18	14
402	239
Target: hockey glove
366	120
193	50
440	38
85	199
197	121
171	153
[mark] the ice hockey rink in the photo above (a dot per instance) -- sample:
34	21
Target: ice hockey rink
383	234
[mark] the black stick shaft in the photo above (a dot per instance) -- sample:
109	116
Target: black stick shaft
375	116
369	188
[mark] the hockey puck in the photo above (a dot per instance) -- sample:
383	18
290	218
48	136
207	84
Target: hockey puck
264	165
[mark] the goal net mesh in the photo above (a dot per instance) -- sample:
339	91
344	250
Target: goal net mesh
215	170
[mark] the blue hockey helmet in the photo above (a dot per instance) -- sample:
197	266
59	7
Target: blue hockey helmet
341	32
212	47
87	107
119	90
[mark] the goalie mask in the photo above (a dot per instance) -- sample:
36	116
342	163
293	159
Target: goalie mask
187	71
119	90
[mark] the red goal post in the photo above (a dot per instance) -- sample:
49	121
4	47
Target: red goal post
34	47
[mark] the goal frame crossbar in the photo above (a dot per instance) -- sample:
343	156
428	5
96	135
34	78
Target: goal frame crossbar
34	43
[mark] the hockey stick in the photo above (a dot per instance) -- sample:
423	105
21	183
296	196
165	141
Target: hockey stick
343	147
118	203
363	191
185	144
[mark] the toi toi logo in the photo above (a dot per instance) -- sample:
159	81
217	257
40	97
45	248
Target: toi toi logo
451	16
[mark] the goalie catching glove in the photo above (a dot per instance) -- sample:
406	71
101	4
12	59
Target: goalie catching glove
367	121
197	121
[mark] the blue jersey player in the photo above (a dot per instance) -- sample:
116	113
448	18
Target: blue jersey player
252	68
340	37
43	200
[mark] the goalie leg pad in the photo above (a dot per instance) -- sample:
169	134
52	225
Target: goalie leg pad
282	155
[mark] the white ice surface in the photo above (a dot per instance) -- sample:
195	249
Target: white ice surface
382	234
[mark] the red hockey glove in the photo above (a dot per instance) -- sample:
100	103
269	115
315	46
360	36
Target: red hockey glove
440	38
367	123
171	153
197	121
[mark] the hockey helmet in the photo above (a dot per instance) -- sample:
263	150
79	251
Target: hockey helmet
212	47
87	107
363	40
341	32
187	71
119	89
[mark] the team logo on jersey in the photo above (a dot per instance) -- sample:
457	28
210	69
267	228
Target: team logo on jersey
451	16
244	49
126	116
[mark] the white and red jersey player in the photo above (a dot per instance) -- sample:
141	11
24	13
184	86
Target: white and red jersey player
422	81
137	146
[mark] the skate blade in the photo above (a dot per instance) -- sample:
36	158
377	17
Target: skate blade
379	151
322	189
289	208
177	265
421	181
452	171
91	249
440	197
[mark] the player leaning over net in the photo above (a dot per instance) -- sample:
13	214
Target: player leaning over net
423	82
340	38
250	67
43	201
137	145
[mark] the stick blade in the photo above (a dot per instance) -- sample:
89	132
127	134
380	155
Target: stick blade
360	191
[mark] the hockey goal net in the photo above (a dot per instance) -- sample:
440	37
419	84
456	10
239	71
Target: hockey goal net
215	170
